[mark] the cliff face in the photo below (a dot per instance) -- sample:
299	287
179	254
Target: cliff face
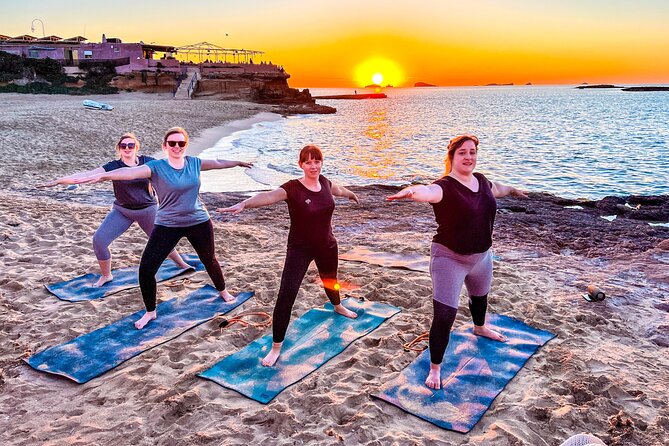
269	87
147	82
264	86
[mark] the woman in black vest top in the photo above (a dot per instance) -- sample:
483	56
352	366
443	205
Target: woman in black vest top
464	207
310	206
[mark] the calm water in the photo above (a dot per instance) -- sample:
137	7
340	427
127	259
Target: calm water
572	143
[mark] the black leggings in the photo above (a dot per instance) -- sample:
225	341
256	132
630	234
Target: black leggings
162	241
297	262
444	316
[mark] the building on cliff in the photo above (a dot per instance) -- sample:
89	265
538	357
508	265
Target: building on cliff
201	70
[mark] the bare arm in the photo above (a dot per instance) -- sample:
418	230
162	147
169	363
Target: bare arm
341	191
256	201
422	194
222	164
125	173
70	179
500	190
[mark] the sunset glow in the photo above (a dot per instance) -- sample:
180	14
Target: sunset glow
345	43
378	70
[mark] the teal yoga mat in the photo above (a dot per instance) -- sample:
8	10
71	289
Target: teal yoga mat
99	351
81	288
311	341
474	371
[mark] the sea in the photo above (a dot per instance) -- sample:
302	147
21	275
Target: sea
573	143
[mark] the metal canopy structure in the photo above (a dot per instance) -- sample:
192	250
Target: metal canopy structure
207	52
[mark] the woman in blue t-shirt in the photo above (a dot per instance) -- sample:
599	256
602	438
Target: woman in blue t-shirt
464	207
176	180
310	206
135	202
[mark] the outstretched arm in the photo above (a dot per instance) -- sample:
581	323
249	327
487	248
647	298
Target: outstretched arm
125	173
341	191
256	201
500	190
423	194
222	164
70	179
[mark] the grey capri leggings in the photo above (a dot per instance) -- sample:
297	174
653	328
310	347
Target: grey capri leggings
116	223
449	270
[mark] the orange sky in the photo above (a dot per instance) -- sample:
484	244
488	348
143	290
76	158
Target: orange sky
321	43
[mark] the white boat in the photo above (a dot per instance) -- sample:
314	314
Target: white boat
93	105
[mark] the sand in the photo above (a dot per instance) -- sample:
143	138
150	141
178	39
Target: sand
606	372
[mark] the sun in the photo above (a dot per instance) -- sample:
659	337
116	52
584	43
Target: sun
379	70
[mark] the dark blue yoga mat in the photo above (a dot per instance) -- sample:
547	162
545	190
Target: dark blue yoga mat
474	371
99	351
311	341
81	288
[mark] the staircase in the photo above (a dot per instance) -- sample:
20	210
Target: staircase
188	85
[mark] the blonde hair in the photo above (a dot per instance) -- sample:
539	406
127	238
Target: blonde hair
453	145
127	135
172	131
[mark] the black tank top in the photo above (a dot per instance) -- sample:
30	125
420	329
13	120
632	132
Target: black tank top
310	213
465	218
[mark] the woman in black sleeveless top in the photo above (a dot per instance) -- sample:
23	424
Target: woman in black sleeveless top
464	207
310	206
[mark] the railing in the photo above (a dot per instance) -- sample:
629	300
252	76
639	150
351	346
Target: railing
180	79
193	83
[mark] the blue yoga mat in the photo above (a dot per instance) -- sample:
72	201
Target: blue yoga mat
99	351
311	341
474	371
81	288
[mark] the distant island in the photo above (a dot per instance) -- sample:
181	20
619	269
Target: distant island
581	87
646	89
499	85
373	86
423	84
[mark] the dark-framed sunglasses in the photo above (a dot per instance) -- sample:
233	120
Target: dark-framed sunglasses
174	143
130	145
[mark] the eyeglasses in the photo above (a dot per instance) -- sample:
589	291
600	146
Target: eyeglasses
130	145
174	143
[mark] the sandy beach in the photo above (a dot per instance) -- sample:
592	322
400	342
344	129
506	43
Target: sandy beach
606	373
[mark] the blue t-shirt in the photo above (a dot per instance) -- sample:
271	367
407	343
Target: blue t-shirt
178	193
131	194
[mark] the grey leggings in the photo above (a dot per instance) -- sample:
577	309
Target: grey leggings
116	223
449	270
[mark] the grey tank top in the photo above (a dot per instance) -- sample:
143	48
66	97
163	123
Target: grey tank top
178	193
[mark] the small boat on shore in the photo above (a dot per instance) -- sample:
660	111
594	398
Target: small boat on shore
94	105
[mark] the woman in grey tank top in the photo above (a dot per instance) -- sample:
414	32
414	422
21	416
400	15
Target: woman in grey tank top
135	202
180	214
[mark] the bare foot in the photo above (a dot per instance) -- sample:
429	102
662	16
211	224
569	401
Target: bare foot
488	333
273	355
184	265
345	311
226	296
102	280
433	380
148	317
